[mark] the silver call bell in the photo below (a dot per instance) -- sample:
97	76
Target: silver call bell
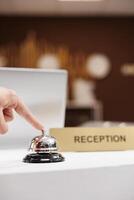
43	149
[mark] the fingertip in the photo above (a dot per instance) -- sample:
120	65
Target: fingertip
40	127
43	128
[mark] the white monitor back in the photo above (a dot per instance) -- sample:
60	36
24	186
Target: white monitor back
44	92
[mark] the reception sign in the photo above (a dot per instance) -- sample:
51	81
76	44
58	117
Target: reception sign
94	139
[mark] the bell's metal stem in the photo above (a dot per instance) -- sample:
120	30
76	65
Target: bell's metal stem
43	132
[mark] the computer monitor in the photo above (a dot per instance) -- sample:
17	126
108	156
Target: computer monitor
44	92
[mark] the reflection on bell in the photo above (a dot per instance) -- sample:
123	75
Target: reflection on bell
43	149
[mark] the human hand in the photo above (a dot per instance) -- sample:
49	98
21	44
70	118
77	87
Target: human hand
9	102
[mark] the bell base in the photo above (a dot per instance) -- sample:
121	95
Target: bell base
43	158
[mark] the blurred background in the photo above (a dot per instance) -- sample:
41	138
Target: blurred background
92	39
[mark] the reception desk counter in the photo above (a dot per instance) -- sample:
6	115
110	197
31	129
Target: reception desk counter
88	176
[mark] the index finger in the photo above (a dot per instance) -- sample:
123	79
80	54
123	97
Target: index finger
24	111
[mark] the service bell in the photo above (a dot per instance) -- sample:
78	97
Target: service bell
43	149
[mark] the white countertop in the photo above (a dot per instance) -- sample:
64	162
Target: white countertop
11	161
92	175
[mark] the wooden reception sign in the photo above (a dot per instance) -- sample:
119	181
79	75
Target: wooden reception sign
94	139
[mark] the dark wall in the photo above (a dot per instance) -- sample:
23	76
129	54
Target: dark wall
111	36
